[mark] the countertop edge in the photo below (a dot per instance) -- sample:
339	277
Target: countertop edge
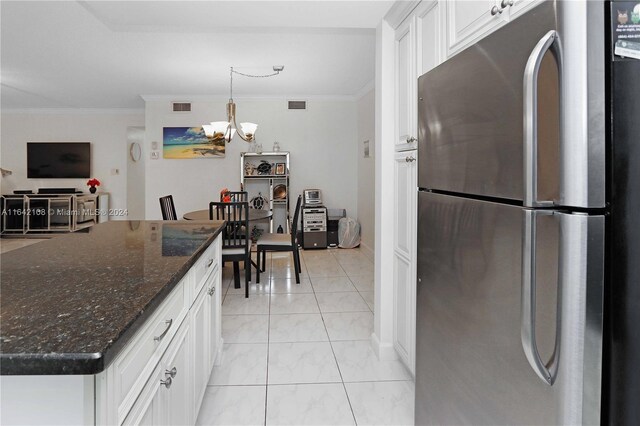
26	364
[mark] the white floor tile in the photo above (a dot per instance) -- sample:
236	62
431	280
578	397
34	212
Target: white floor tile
237	304
382	403
297	328
233	405
242	364
324	268
263	288
284	285
368	297
331	284
358	363
341	302
317	404
302	363
349	325
363	282
294	304
358	268
245	328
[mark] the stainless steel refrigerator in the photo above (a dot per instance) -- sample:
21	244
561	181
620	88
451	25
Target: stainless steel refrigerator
528	182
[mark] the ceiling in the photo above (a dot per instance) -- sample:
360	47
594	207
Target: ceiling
107	54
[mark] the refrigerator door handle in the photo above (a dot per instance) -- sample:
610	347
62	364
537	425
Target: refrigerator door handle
530	116
528	299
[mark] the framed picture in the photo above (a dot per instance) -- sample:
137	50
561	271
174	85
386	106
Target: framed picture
189	142
281	168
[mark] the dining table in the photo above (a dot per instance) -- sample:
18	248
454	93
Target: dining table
254	215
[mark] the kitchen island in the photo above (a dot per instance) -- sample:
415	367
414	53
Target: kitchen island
94	325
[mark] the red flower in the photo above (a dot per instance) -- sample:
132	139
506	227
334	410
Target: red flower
224	194
93	182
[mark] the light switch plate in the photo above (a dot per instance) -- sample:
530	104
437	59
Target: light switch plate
155	155
154	145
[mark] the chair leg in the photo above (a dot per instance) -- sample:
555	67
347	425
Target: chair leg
295	264
258	268
247	274
264	260
297	255
236	274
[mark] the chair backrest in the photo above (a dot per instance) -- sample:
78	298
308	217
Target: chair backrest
294	224
237	196
168	208
234	234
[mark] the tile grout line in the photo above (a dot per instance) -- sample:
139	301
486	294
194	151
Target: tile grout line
335	358
266	383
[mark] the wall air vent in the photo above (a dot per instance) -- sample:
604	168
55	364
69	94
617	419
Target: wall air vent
297	104
181	106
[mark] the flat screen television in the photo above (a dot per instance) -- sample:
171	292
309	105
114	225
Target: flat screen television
58	160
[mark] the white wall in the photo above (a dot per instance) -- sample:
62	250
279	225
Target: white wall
321	140
106	130
366	171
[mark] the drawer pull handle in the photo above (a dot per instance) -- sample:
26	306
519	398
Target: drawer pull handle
410	159
495	10
166	383
164	333
210	262
211	291
171	372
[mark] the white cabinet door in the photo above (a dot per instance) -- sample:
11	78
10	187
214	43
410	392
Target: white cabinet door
214	295
405	82
200	336
470	20
429	36
177	365
150	408
404	310
404	255
405	202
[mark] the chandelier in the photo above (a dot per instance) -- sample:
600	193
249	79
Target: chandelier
225	130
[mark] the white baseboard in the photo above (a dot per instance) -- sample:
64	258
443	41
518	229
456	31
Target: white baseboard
371	255
384	351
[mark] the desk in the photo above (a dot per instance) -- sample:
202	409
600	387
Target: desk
254	215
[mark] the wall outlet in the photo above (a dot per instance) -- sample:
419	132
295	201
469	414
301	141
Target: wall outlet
155	155
115	172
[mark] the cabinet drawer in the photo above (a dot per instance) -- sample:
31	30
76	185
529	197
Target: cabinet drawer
136	362
207	263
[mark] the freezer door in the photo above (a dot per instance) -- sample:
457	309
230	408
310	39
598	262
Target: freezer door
520	115
481	356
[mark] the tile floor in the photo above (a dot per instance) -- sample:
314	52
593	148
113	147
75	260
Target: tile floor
300	354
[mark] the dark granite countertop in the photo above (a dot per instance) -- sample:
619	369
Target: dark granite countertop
69	304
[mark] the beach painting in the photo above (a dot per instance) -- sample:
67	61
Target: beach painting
189	142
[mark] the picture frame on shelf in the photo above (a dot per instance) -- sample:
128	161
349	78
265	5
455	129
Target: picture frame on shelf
281	169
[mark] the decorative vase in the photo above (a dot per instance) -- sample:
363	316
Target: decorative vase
93	189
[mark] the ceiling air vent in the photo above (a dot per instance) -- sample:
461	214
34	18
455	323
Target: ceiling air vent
297	104
181	106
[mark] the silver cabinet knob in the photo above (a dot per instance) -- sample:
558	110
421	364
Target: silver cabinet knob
211	291
495	10
506	3
166	383
410	159
171	372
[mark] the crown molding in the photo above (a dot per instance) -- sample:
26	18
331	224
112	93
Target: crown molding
74	111
218	98
399	12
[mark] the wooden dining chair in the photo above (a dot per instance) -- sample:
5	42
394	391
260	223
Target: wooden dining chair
237	196
168	208
281	242
235	245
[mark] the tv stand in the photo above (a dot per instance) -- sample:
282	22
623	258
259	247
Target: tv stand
58	191
42	214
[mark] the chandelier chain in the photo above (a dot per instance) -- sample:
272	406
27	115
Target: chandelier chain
255	76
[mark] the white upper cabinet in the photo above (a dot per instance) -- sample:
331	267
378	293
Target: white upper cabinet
468	21
428	34
405	82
